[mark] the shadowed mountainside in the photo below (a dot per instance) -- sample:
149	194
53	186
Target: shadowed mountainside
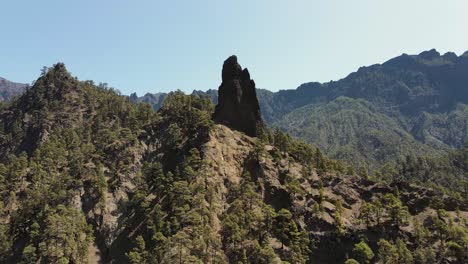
10	89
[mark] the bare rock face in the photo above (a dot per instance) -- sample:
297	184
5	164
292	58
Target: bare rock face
238	106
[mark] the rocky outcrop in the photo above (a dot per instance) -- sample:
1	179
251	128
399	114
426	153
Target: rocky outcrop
238	106
228	155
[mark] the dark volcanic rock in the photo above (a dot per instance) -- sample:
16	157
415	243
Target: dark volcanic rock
238	105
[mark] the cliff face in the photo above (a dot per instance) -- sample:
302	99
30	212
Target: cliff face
238	106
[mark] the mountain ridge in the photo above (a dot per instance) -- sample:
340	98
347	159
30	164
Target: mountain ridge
424	95
9	89
167	186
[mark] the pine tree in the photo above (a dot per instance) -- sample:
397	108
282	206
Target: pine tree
138	255
388	253
404	255
367	213
363	253
398	213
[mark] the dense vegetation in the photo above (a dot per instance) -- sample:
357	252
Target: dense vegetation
448	173
374	118
66	145
82	167
60	139
64	137
379	115
411	105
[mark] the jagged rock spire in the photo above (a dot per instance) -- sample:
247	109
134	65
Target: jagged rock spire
238	105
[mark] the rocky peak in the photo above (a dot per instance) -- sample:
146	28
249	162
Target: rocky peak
55	82
231	69
450	56
465	55
429	55
238	105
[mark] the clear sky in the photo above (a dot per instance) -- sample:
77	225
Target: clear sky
154	46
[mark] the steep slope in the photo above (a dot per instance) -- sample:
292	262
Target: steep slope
423	96
353	130
10	89
329	206
69	153
82	166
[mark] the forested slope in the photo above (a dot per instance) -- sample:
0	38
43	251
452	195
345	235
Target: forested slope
379	116
82	165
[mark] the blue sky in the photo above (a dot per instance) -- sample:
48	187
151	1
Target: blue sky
158	46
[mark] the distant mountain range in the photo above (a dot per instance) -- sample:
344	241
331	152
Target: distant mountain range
409	105
9	89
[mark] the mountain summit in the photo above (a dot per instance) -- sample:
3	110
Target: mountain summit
238	105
